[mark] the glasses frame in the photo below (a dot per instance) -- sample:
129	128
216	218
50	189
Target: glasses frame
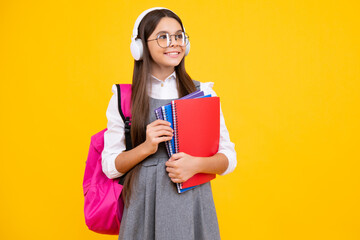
170	35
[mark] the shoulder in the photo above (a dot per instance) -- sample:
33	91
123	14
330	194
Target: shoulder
113	103
114	89
196	83
207	87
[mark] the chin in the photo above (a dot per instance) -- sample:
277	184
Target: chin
172	63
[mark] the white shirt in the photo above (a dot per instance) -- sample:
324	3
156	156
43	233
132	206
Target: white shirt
114	137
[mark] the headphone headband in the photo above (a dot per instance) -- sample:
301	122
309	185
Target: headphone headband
136	46
140	17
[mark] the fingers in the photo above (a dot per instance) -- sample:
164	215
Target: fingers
159	122
171	175
158	132
170	163
177	156
162	139
162	133
162	130
170	169
176	180
157	129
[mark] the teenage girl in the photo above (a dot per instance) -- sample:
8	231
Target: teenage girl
153	208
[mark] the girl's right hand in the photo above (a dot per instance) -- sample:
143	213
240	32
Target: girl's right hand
156	132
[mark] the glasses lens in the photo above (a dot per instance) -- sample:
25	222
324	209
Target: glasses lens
164	39
180	38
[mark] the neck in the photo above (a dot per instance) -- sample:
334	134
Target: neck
161	72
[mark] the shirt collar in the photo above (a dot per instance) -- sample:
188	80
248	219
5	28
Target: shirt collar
171	76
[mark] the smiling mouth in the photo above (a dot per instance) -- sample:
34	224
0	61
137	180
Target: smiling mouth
172	53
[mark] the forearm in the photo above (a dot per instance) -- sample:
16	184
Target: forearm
128	159
156	132
216	164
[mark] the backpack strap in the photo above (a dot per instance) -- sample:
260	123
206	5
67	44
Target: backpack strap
124	105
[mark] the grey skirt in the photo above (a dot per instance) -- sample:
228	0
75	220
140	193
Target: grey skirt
157	211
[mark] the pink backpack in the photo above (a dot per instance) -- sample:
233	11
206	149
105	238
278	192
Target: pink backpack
103	205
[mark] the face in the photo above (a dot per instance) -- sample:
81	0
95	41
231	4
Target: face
166	57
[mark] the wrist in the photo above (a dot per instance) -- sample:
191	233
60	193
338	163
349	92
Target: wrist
199	168
145	150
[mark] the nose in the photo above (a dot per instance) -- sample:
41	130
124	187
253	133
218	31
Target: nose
173	42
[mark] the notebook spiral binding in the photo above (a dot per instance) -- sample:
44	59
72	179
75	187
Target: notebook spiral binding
176	134
169	148
176	139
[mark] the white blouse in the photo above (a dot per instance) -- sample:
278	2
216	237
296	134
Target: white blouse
114	138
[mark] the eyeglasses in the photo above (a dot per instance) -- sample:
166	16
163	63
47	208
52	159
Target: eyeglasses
164	39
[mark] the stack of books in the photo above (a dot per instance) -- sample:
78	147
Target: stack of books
195	120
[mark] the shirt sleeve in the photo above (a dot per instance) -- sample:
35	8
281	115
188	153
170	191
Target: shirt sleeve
114	138
226	147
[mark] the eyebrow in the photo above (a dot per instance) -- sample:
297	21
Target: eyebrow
168	32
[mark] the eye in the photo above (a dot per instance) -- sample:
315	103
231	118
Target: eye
162	36
179	36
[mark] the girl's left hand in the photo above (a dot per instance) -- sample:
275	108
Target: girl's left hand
181	167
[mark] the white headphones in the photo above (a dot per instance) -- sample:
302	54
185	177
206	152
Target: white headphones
136	46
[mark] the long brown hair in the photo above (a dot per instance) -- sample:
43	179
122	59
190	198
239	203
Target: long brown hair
140	98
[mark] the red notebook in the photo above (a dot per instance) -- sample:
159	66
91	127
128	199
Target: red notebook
197	131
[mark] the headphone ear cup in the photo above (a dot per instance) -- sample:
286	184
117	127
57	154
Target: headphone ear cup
187	50
137	49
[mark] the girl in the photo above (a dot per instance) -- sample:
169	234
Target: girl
153	208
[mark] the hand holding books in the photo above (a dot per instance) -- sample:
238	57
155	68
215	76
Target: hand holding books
196	124
181	167
156	132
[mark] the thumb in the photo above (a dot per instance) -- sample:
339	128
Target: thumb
174	157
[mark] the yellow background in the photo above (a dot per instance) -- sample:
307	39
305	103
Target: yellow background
287	73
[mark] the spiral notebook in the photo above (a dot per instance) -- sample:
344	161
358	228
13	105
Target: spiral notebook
165	113
197	93
196	132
